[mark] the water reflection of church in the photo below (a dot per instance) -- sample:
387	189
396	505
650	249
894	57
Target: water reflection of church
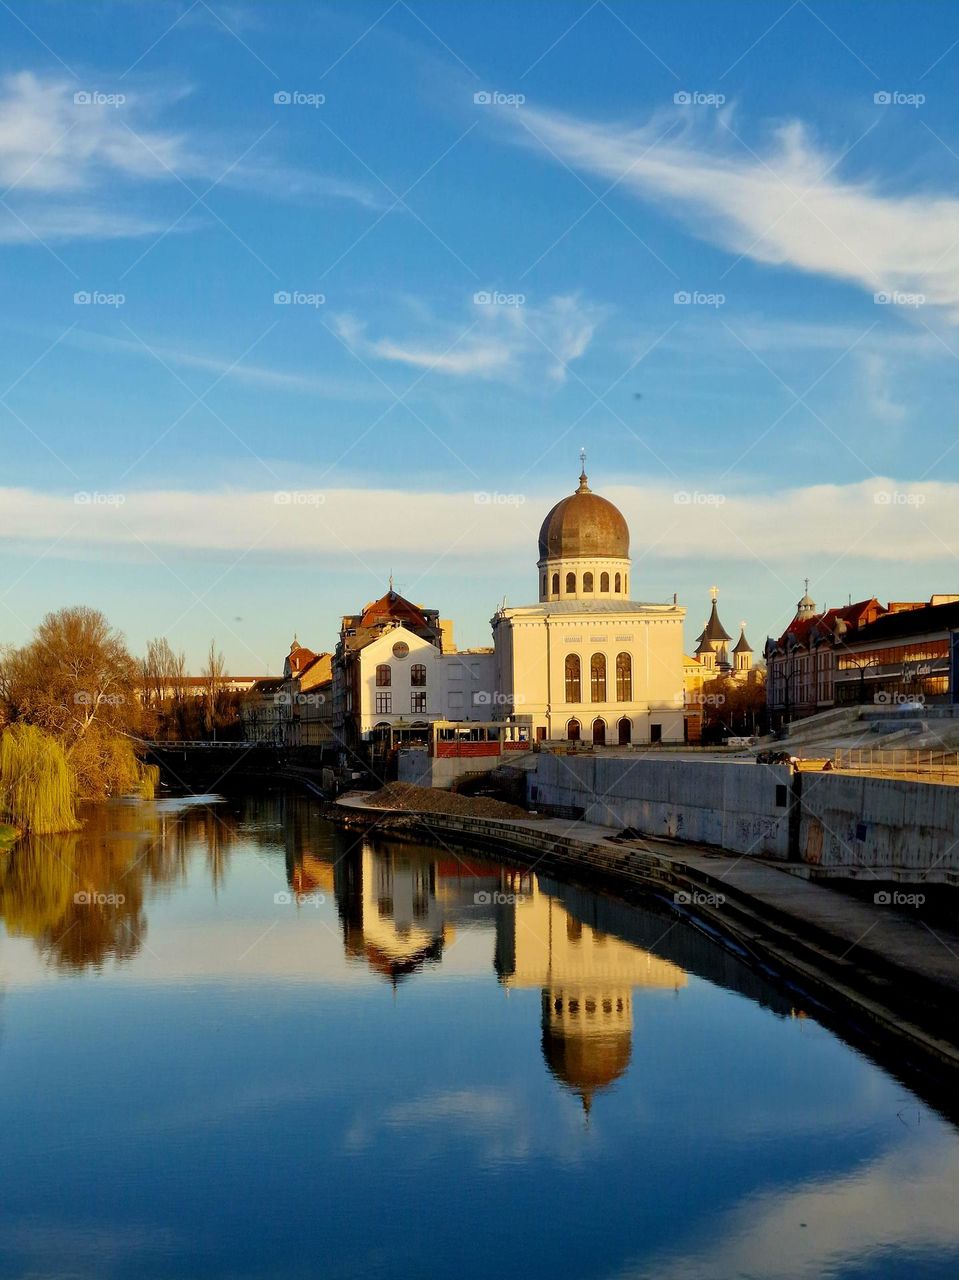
400	907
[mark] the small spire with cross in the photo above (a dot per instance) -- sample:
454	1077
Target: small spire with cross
583	482
714	594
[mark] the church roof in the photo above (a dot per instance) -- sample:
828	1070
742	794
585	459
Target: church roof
742	644
714	628
393	607
584	525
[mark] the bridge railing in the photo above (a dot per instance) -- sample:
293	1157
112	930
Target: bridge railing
929	766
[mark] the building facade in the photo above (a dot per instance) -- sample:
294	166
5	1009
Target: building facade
587	662
906	657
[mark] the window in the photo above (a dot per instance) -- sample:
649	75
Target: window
384	704
401	649
597	677
573	685
616	582
417	701
624	678
572	731
625	584
555	584
384	677
418	674
625	732
587	582
604	582
599	733
542	589
655	733
571	584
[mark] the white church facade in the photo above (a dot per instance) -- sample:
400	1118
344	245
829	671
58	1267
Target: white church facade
587	662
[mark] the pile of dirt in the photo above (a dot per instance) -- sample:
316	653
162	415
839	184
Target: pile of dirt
403	795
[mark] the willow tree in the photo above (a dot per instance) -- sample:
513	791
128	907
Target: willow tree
77	681
37	784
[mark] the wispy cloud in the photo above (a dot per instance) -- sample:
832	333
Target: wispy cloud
495	339
785	203
75	159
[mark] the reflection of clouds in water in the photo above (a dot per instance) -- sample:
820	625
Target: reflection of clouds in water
84	1250
904	1201
497	1122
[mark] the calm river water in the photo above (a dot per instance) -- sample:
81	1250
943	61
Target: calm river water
256	1046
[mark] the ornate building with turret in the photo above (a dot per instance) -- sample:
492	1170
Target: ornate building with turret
588	662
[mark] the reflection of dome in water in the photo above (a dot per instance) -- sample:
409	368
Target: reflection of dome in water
587	1040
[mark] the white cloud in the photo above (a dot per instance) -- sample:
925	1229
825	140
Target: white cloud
495	339
71	169
891	521
785	203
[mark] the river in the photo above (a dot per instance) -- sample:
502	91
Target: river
238	1042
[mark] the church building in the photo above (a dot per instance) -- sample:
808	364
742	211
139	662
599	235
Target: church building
588	662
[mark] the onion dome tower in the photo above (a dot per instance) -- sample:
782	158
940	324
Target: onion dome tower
584	548
806	607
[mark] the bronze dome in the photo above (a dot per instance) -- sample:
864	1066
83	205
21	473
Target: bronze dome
584	525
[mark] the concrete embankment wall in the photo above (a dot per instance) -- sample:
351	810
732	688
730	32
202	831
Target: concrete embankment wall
849	822
739	807
830	821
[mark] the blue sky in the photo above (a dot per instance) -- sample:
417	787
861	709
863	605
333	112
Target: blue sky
248	468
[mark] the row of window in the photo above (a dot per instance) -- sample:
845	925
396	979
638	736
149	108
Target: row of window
384	703
597	732
384	675
619	583
597	678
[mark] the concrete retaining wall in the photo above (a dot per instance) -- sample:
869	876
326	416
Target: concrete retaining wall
743	808
851	821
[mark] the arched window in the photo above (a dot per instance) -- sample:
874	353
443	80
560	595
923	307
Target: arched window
384	676
604	582
573	687
555	584
616	582
542	589
597	677
599	733
624	678
571	584
572	731
625	732
418	674
625	584
587	582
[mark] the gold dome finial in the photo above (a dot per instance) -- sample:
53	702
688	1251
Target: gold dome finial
583	483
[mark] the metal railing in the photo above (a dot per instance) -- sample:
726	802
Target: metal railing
929	766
